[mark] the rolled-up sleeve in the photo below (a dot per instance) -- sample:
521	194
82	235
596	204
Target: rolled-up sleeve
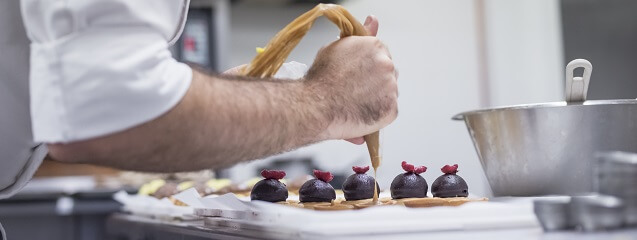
102	66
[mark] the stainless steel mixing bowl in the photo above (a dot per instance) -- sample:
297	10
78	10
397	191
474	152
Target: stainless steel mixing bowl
550	148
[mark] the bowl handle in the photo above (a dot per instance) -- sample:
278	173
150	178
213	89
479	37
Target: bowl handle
577	87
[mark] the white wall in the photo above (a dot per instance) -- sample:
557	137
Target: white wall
435	48
524	48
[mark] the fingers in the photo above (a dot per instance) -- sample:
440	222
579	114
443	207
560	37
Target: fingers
357	141
371	25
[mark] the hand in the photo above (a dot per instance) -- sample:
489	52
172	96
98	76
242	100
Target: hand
355	76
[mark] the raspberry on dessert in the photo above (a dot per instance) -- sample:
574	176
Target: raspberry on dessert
450	169
449	184
409	184
270	189
323	176
318	189
359	185
360	170
273	174
412	169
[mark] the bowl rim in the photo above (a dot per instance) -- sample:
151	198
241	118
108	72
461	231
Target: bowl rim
462	115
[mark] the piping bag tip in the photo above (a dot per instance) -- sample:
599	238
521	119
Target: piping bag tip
373	144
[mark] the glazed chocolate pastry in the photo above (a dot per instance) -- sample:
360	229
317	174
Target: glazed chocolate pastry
270	189
449	184
166	190
318	189
409	184
359	185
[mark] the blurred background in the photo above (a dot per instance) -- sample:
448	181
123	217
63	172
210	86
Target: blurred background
452	56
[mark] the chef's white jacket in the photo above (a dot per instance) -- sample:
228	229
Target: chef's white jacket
93	67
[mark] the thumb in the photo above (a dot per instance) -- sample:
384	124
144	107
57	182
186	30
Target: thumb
371	25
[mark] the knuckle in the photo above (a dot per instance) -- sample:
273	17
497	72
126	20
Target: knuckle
378	42
371	43
386	63
394	88
390	66
394	100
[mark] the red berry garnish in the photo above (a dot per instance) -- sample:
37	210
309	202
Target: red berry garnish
360	170
420	170
323	176
407	167
273	174
450	169
411	169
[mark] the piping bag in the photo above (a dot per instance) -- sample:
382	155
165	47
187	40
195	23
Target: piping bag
268	62
373	147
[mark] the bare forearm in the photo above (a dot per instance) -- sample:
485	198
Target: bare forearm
256	118
349	91
219	122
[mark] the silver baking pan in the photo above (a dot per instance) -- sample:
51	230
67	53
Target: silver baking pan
549	148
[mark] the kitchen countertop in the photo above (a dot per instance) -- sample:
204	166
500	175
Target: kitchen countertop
126	226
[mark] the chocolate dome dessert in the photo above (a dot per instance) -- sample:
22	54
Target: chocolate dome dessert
318	189
409	184
359	185
270	189
449	184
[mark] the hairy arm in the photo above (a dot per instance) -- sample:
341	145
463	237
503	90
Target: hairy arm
349	91
220	121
